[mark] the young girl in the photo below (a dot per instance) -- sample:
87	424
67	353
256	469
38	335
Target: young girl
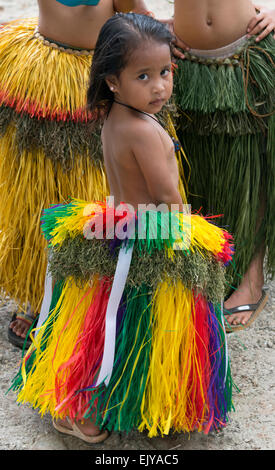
135	337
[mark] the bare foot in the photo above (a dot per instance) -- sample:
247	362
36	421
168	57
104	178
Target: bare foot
20	327
85	426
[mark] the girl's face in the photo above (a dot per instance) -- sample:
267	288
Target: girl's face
146	83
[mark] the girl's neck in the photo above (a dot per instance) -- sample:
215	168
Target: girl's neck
137	110
176	143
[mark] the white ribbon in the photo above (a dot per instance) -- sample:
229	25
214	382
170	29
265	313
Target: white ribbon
118	286
225	342
122	270
45	307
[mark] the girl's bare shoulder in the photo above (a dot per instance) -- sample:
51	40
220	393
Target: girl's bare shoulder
141	128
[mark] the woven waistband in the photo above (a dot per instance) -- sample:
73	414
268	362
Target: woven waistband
222	52
62	47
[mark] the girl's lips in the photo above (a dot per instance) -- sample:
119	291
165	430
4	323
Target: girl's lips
157	102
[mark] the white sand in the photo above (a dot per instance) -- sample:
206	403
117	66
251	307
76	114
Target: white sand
12	9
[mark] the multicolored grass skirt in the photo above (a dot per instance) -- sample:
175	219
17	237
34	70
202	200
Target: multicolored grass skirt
170	369
226	125
47	150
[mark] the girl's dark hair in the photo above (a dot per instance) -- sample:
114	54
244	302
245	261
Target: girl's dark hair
117	40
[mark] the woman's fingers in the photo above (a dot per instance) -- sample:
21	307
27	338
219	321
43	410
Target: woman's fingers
178	53
265	32
179	43
254	22
262	24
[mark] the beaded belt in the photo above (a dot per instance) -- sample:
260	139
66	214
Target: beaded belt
62	47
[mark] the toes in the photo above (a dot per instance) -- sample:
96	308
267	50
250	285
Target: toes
244	318
236	320
233	319
239	319
19	328
65	422
22	331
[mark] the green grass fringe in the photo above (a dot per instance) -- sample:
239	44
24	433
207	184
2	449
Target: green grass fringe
82	258
61	141
234	177
222	122
17	382
206	88
128	379
225	405
230	148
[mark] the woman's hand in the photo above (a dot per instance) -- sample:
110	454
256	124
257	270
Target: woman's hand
263	23
178	44
137	6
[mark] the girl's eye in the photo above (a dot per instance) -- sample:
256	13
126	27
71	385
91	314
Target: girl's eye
143	76
165	72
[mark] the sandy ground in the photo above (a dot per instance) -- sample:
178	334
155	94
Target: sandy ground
252	360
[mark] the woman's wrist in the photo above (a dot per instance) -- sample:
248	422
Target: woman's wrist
143	11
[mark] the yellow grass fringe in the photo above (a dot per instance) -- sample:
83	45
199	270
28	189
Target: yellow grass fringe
28	185
32	72
183	182
39	389
173	344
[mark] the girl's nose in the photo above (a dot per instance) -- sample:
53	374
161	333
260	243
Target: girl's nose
158	86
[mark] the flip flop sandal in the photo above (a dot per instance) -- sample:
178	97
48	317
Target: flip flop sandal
255	308
75	432
17	340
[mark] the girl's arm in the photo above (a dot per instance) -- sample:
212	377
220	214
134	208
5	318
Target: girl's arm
263	23
137	6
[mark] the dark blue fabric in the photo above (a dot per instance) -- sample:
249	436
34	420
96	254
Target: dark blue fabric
75	3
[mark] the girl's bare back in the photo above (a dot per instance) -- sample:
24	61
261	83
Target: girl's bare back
210	24
125	176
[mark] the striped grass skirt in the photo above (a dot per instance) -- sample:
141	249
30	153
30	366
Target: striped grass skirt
135	337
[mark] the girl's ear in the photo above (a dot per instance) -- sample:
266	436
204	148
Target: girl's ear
112	83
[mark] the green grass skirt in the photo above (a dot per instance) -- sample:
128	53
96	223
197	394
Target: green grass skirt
226	125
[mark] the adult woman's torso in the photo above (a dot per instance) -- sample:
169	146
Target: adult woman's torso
210	24
76	26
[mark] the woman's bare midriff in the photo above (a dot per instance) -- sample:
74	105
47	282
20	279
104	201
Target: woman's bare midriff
210	24
75	26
